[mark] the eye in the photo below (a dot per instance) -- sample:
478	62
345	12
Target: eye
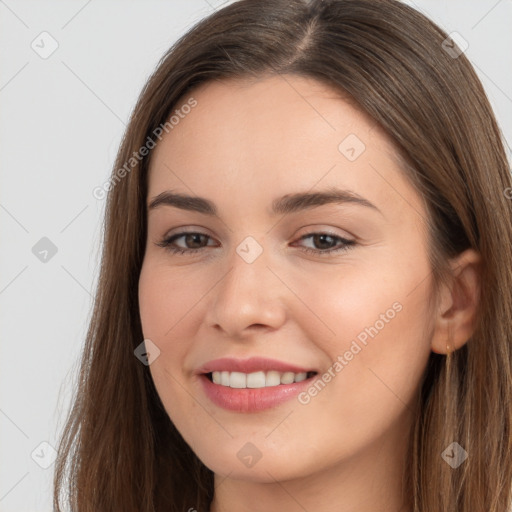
189	237
326	241
329	240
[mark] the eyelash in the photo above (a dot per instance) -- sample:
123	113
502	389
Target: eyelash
347	244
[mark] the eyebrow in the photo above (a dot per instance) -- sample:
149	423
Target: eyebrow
289	203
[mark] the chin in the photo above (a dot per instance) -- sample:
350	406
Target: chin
249	464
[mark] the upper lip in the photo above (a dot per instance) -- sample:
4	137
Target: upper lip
253	364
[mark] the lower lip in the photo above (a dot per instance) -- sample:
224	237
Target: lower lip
251	399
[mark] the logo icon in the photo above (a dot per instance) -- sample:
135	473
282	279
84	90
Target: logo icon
249	249
351	147
44	250
249	455
147	352
44	45
44	455
454	45
454	455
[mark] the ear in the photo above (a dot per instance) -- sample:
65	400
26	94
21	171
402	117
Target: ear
458	304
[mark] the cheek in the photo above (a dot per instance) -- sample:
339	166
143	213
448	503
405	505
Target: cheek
163	305
385	299
381	342
171	307
374	321
165	297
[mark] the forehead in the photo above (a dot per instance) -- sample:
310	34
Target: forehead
294	108
260	138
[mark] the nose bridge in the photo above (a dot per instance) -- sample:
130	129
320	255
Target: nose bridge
248	294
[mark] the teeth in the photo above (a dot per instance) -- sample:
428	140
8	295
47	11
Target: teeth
224	378
272	379
238	380
287	378
257	379
301	376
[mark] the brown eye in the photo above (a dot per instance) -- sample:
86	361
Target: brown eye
193	242
326	243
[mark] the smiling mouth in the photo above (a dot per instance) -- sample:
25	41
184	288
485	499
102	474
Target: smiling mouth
257	380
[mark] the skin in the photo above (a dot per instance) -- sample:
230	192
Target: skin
245	144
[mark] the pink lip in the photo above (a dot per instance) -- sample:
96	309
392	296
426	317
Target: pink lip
250	400
253	364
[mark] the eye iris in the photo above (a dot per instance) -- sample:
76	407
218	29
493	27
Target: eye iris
320	239
195	237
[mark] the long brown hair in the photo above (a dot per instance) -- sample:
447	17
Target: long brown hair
119	450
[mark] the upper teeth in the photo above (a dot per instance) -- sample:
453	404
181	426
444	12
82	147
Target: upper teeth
256	379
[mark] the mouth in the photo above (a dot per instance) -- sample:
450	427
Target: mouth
254	384
257	380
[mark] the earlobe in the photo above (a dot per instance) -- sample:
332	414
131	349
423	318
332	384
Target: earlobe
458	304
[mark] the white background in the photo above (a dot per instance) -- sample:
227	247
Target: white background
61	122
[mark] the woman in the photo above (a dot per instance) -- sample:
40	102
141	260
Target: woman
234	361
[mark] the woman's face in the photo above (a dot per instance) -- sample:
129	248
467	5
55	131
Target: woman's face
290	172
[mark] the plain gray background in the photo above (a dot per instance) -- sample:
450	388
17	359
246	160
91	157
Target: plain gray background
62	118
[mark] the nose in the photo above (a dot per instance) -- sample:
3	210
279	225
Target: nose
250	298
